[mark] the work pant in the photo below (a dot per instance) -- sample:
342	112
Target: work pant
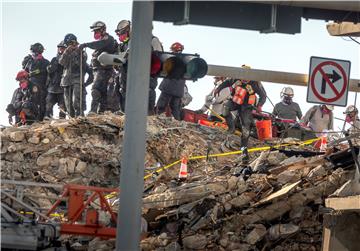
43	93
72	100
51	100
99	90
113	100
244	119
152	95
174	103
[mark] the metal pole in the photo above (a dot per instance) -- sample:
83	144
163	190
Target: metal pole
269	76
133	154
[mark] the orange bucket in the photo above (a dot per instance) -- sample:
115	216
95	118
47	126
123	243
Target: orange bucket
264	129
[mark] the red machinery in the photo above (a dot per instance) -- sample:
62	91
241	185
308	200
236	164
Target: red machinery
82	218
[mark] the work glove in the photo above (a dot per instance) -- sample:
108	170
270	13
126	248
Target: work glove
34	72
259	109
10	120
82	46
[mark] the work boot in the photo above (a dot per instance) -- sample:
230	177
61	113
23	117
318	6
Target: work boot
230	123
245	158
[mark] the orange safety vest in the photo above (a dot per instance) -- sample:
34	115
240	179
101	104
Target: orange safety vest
241	93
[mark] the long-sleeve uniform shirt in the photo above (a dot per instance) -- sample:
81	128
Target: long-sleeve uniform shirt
317	120
287	111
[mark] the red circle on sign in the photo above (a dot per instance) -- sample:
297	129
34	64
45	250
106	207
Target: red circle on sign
312	81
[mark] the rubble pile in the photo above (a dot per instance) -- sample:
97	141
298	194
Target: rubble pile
87	150
222	205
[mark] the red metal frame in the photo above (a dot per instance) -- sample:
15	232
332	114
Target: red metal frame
82	220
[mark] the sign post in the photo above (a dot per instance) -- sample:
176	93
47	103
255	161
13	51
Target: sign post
328	81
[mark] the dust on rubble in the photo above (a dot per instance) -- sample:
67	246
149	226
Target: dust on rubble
217	207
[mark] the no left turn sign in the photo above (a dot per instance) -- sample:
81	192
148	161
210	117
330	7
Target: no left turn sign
328	81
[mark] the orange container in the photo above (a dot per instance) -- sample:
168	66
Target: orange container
264	129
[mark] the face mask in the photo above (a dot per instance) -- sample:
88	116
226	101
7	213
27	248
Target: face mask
23	85
97	35
348	119
123	37
324	110
287	100
61	50
37	56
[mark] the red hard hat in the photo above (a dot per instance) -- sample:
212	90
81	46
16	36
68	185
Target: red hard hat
176	47
22	74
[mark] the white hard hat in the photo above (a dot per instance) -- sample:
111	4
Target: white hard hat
330	107
288	91
350	109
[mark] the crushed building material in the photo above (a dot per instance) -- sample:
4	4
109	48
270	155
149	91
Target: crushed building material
277	207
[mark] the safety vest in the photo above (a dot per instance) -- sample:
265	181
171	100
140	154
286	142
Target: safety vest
244	94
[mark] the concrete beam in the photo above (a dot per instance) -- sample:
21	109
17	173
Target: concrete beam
279	77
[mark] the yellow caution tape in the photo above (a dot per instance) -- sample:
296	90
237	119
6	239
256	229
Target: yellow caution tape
256	149
52	215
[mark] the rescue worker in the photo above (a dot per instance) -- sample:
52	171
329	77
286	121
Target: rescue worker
352	117
55	91
36	65
70	80
287	108
26	101
103	43
172	90
216	99
244	101
319	118
123	31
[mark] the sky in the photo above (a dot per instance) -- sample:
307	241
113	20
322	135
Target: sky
25	23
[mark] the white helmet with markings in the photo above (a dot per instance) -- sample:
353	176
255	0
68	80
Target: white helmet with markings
287	91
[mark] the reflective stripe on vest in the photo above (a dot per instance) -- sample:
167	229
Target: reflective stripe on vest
241	94
252	99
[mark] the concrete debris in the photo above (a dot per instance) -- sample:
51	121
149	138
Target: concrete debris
276	207
282	230
256	234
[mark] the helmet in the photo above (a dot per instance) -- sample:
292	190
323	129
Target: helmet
351	109
287	91
37	48
22	74
330	107
176	47
98	25
123	26
69	38
61	44
244	66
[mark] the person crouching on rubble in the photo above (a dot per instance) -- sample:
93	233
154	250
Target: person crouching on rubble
216	99
319	118
352	117
26	101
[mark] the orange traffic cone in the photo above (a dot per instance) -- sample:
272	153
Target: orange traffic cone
183	168
323	144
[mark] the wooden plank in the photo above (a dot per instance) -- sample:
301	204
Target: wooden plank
285	190
344	203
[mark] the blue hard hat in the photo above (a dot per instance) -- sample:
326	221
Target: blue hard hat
69	38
